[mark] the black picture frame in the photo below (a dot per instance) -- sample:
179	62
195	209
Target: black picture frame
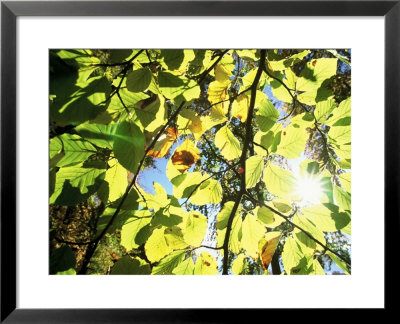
10	10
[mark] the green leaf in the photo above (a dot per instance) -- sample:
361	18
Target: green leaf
227	143
120	55
345	181
157	201
62	260
267	115
303	120
326	217
265	215
252	232
156	246
122	217
282	205
209	192
341	264
82	105
222	221
292	255
223	215
317	268
174	238
278	181
325	180
169	263
56	152
195	228
247	54
316	72
248	79
184	184
342	198
151	116
178	88
70	271
308	226
287	62
185	268
309	168
312	77
129	145
130	99
206	265
167	217
344	153
323	109
343	111
176	59
200	62
340	134
280	92
131	201
74	147
75	184
98	134
138	80
239	265
293	142
132	227
75	57
173	58
265	140
117	179
254	169
130	266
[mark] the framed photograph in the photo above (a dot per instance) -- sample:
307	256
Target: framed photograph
160	158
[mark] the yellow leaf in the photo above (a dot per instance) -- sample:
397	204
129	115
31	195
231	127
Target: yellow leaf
240	107
206	265
218	95
227	143
222	73
197	126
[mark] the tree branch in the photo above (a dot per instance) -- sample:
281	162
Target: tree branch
299	227
205	73
96	241
124	72
287	88
247	140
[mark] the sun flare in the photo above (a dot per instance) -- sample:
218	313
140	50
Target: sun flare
309	190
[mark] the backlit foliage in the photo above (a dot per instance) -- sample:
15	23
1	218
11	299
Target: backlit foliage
257	149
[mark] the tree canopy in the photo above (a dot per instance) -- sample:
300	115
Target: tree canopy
257	151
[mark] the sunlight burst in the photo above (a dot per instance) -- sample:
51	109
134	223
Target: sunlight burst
309	190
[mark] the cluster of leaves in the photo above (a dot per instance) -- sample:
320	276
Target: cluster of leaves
229	122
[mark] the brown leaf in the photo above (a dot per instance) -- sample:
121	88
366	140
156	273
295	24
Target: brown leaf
185	156
268	249
164	143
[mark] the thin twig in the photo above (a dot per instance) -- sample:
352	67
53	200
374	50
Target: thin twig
124	72
96	241
202	76
123	104
287	219
287	88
